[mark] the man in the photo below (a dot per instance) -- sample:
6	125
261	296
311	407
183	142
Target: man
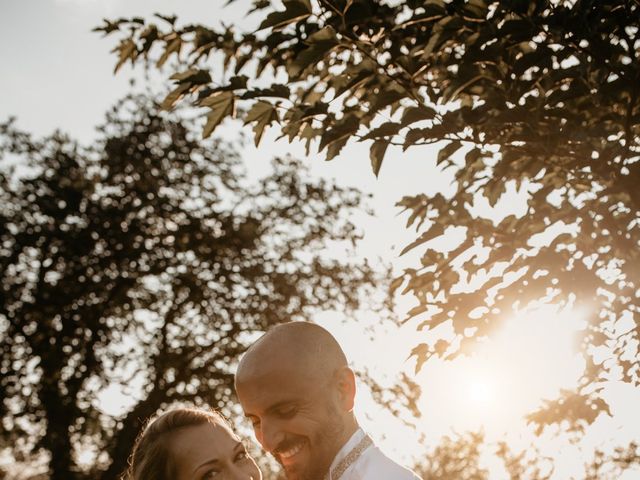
296	388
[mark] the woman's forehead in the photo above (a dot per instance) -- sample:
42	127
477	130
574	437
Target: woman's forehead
211	432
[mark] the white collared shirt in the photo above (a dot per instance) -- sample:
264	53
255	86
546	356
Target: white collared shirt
372	464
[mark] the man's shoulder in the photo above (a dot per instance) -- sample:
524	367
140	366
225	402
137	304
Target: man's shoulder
373	464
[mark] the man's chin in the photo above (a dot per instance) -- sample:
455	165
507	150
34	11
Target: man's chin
305	465
302	472
293	472
297	471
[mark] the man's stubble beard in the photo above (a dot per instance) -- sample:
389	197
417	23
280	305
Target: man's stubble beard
325	440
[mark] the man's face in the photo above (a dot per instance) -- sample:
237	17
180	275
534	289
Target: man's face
296	419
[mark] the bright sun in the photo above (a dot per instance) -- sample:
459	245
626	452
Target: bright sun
506	377
480	391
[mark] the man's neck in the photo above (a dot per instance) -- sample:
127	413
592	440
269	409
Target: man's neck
351	426
348	441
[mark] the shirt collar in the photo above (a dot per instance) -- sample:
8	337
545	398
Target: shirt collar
347	447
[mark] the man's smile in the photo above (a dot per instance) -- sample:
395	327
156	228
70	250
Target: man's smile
289	454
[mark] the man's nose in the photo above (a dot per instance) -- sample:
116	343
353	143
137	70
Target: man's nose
270	436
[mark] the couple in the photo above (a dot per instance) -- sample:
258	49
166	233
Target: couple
297	390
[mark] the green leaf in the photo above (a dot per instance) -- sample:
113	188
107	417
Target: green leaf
179	76
472	156
238	82
335	147
493	191
435	231
387	97
395	284
434	40
416	114
447	151
275	90
295	10
346	127
353	78
413	136
263	113
173	96
148	36
387	129
435	7
475	10
320	43
172	46
193	76
221	104
422	352
376	154
325	34
170	19
308	134
126	50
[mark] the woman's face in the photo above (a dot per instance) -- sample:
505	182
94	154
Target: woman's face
211	452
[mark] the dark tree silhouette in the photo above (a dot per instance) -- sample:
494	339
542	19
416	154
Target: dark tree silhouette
151	259
541	97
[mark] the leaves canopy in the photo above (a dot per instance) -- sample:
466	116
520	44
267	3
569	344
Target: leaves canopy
149	259
541	97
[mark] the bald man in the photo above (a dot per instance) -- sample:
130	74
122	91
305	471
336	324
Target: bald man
296	388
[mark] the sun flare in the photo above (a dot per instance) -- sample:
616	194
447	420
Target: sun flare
529	359
480	391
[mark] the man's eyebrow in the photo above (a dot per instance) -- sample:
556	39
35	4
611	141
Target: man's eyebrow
272	408
283	403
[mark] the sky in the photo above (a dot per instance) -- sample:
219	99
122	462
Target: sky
58	74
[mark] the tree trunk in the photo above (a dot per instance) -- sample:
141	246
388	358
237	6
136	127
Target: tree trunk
57	438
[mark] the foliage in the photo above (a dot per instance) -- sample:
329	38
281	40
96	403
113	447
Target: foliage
541	98
149	261
613	466
465	457
457	457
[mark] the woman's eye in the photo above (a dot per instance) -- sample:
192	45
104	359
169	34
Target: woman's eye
241	456
210	475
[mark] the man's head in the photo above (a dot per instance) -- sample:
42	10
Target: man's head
295	386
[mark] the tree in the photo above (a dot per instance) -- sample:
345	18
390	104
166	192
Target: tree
615	464
149	259
455	458
541	97
466	457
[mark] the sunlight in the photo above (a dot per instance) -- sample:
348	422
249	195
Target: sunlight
480	391
506	377
530	358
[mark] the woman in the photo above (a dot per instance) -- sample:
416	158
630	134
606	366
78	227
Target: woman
190	444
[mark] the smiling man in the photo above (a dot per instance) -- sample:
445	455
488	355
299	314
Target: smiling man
297	389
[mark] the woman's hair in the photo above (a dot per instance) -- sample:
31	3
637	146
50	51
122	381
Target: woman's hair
150	458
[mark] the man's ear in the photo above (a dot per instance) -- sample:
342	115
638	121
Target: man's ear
345	381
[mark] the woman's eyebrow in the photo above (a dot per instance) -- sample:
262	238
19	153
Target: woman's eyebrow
239	446
211	461
214	461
